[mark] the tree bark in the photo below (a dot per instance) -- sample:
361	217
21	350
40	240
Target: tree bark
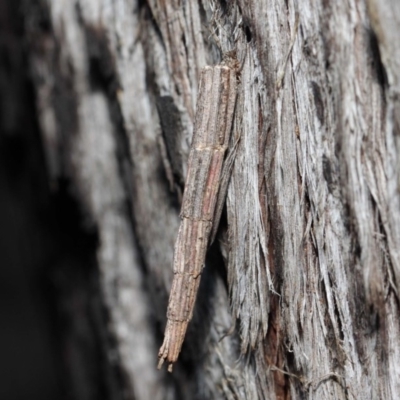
300	294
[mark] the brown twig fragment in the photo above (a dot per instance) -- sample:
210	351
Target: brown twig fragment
213	123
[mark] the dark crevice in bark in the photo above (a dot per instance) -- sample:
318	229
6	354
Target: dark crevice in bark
171	128
200	325
378	69
75	302
329	174
248	33
26	243
318	101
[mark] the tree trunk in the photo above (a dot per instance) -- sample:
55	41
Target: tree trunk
300	294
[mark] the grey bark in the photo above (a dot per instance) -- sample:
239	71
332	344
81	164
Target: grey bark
304	302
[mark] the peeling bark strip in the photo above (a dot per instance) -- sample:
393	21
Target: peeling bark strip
213	123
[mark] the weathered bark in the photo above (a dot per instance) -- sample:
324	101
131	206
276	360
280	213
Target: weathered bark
307	266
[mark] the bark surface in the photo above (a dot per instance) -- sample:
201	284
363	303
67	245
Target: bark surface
300	295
